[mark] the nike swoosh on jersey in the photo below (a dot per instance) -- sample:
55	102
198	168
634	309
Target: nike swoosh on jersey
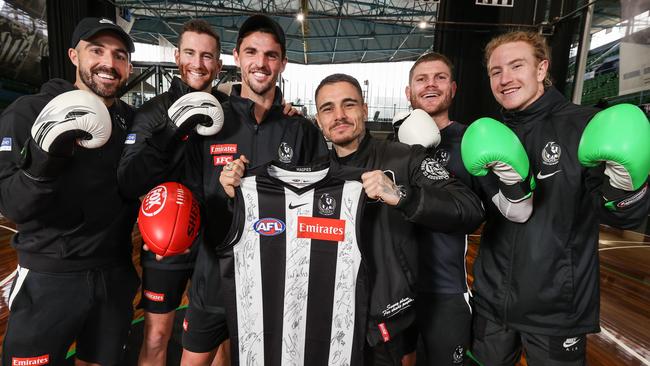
570	342
544	176
291	206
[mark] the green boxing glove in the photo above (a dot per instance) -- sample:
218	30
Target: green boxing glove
490	145
620	137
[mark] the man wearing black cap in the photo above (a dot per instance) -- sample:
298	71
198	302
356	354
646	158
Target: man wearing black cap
58	181
255	131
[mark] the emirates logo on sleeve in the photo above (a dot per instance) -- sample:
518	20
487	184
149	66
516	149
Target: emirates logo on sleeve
321	228
38	360
154	296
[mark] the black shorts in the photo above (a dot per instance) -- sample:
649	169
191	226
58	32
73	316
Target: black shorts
49	311
496	344
204	326
387	353
203	331
206	282
444	323
162	290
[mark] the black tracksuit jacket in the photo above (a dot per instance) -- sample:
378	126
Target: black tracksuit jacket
433	199
79	220
442	255
278	137
542	276
146	162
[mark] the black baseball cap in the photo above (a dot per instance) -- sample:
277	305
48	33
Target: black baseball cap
88	27
259	21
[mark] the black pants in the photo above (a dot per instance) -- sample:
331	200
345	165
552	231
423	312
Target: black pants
444	322
48	311
496	344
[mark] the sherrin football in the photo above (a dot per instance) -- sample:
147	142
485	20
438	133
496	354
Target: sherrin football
169	219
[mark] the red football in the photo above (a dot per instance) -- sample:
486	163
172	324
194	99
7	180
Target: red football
169	219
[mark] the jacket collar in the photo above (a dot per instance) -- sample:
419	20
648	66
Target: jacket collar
359	155
245	107
178	88
537	111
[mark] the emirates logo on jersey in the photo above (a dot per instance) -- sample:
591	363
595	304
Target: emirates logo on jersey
154	201
39	360
321	228
217	149
269	226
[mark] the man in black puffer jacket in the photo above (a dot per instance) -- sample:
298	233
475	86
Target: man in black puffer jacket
75	279
536	278
414	188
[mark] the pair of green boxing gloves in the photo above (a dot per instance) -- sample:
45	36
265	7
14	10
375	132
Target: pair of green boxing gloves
619	136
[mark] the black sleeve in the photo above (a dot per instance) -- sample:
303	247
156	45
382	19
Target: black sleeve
22	198
615	207
144	164
436	200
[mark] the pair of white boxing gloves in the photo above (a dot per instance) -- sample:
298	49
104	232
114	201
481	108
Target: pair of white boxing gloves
79	117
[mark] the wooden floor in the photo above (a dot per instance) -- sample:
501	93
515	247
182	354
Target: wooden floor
625	294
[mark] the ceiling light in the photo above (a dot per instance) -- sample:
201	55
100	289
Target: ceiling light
422	24
300	17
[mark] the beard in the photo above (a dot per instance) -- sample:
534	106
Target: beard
260	88
100	89
185	76
432	110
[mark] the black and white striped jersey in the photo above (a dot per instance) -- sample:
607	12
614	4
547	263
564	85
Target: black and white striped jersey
295	284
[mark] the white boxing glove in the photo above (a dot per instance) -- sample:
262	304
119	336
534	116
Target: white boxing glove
197	109
416	128
76	115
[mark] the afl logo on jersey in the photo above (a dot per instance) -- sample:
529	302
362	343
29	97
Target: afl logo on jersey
551	153
269	226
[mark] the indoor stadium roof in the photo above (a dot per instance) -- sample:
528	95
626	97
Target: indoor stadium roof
333	32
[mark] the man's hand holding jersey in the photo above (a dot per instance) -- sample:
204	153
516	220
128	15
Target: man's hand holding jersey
231	175
619	137
196	111
74	118
490	146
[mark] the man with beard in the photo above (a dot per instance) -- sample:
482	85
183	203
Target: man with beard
158	151
409	188
154	153
444	315
255	131
75	279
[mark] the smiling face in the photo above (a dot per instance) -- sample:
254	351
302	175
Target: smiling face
341	115
260	58
516	77
198	60
102	63
431	87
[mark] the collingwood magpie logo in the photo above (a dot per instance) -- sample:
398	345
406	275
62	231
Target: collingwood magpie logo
285	152
433	170
551	153
326	204
120	121
442	156
457	357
